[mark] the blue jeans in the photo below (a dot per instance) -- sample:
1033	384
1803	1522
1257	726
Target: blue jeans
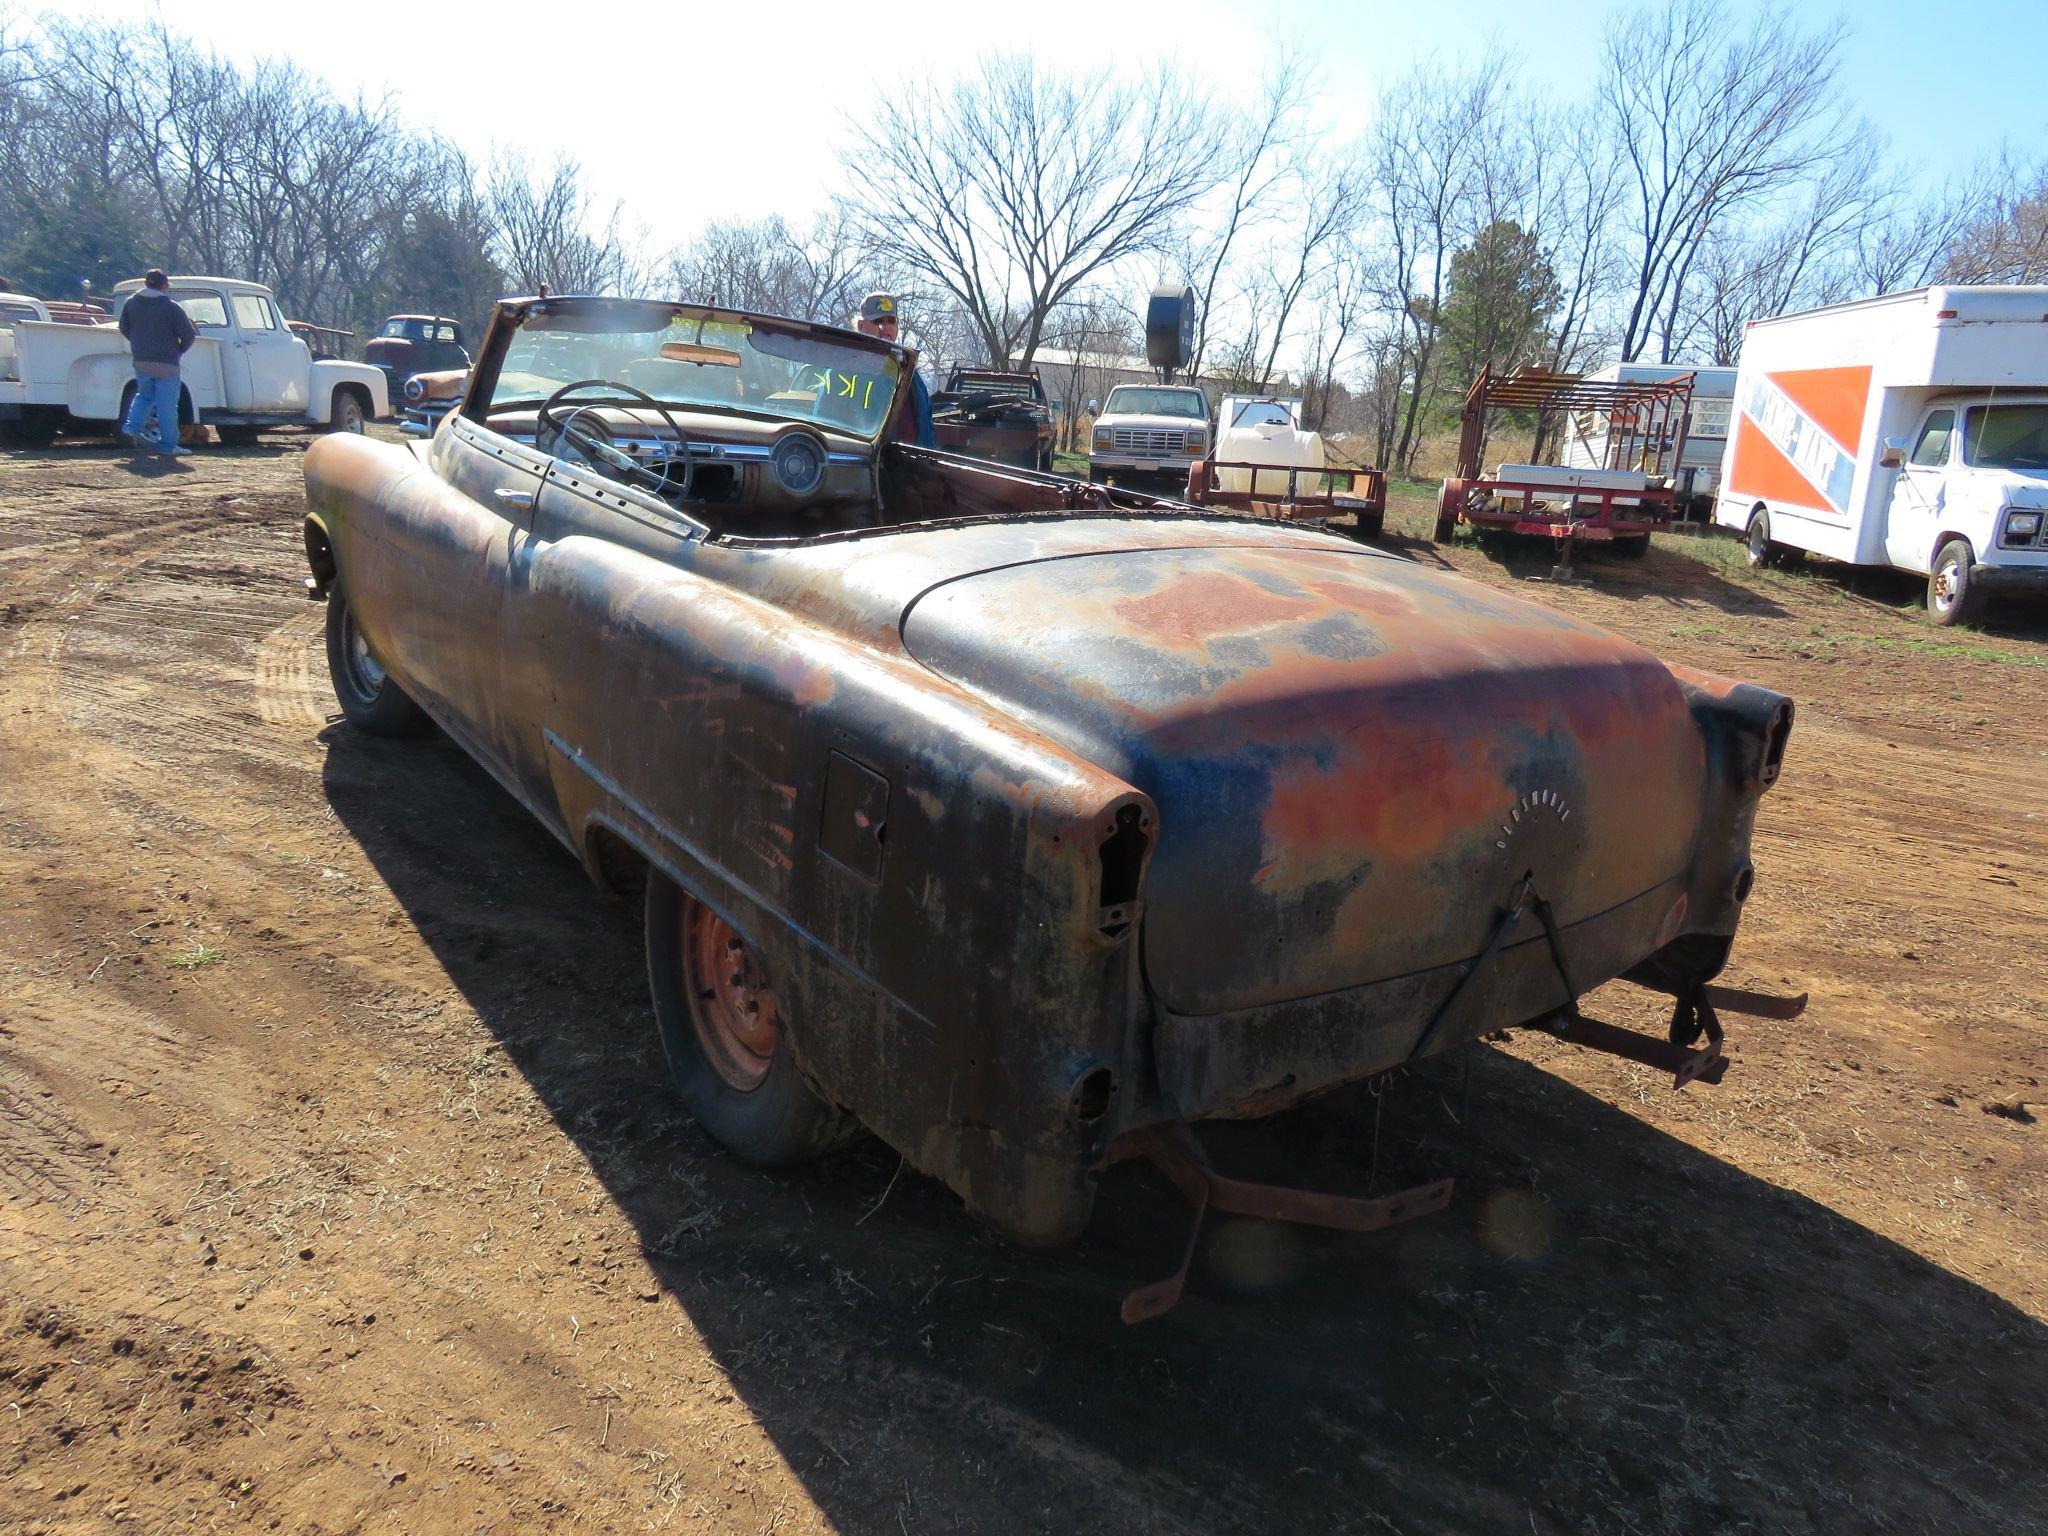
161	397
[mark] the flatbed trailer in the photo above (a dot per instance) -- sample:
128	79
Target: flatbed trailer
1621	503
1291	493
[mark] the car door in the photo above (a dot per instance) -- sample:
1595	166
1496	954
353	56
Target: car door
276	360
1913	514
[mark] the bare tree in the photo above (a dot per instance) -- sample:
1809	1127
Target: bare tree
1708	123
1016	185
544	231
2005	239
1425	150
815	272
1258	154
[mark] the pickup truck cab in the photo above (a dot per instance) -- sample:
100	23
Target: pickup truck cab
990	414
247	371
406	345
1149	430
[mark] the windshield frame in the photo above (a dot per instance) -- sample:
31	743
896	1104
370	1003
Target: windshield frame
510	315
1973	432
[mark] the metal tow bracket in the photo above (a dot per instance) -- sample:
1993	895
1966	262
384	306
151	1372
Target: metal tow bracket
1173	1150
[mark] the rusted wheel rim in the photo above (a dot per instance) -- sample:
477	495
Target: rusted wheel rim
1945	585
731	1005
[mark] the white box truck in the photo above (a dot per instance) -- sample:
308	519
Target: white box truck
1706	433
1909	430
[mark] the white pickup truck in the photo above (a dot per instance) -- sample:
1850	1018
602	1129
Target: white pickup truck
246	372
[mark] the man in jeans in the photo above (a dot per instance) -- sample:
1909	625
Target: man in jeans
159	333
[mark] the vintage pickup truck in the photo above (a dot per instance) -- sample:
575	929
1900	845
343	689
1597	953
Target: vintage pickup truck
1017	819
988	414
246	372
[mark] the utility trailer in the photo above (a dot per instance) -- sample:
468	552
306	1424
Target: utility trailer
1290	493
1619	502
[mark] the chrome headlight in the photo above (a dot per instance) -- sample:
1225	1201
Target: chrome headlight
1103	441
415	390
2021	527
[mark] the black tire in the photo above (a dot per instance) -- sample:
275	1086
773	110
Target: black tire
369	699
1762	551
747	1093
36	431
347	413
1954	596
1632	546
239	437
1370	526
1445	528
1045	462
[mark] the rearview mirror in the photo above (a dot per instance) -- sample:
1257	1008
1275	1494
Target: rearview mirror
1094	406
1892	454
692	352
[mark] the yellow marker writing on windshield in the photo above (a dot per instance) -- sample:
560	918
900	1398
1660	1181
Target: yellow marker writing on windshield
847	392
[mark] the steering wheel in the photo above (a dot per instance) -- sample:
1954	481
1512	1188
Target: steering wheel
593	441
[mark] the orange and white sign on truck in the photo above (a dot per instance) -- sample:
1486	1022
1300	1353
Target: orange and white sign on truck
1909	430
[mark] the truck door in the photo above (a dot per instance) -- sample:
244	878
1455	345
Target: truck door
208	312
1913	516
274	360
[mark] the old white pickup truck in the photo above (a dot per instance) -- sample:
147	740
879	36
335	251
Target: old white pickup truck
245	373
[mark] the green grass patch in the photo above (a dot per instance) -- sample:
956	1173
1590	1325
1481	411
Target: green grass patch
1959	649
199	954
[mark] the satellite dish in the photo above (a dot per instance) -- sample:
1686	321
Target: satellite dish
1170	327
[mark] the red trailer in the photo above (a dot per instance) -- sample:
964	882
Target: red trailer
1619	504
1287	493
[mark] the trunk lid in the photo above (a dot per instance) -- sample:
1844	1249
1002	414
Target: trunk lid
1355	760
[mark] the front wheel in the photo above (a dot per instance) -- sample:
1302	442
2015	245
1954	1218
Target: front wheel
1954	596
723	1031
369	699
1762	548
346	415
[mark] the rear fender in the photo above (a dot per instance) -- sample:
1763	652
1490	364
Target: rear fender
930	882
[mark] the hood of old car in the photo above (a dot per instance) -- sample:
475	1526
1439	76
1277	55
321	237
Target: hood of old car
1355	760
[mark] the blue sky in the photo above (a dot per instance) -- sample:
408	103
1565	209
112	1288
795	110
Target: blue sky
691	111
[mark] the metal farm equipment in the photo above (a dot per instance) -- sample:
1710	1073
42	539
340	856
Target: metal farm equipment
1620	504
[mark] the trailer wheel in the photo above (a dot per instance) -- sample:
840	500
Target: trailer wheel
722	1033
1446	516
1370	526
1953	594
1632	546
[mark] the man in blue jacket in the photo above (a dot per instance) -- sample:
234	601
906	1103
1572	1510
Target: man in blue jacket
877	317
159	333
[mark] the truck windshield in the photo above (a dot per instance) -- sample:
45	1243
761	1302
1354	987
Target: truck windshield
2007	437
1132	400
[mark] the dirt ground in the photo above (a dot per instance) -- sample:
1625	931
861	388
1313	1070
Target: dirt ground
339	1191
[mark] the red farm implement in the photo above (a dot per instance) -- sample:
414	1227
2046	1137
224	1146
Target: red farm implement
1288	493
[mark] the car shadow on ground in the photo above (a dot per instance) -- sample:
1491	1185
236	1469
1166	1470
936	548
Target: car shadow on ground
1608	1330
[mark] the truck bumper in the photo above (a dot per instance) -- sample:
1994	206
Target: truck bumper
1100	464
2013	579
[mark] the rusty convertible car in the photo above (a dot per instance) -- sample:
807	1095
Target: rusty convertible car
1019	820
